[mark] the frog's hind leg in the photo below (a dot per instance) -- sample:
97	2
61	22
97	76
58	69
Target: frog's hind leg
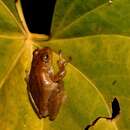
55	101
33	103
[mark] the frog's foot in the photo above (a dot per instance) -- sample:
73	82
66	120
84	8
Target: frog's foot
61	61
69	59
43	114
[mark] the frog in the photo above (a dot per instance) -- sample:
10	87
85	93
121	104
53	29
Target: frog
46	88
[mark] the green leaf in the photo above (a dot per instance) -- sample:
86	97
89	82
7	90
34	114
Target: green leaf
105	19
69	8
98	73
9	25
10	6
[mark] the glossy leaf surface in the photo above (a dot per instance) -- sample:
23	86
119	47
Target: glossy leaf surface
96	36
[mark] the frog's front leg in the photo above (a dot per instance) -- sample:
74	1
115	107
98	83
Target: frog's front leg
61	65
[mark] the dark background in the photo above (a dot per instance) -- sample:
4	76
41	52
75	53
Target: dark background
38	15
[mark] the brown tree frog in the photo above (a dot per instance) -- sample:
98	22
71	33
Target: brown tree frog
46	89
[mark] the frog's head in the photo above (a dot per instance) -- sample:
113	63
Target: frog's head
43	56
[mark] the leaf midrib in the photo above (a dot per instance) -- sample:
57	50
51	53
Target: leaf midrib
89	36
12	37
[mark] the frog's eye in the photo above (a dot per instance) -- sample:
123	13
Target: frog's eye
45	58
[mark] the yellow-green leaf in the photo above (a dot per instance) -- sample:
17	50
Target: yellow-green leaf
98	73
